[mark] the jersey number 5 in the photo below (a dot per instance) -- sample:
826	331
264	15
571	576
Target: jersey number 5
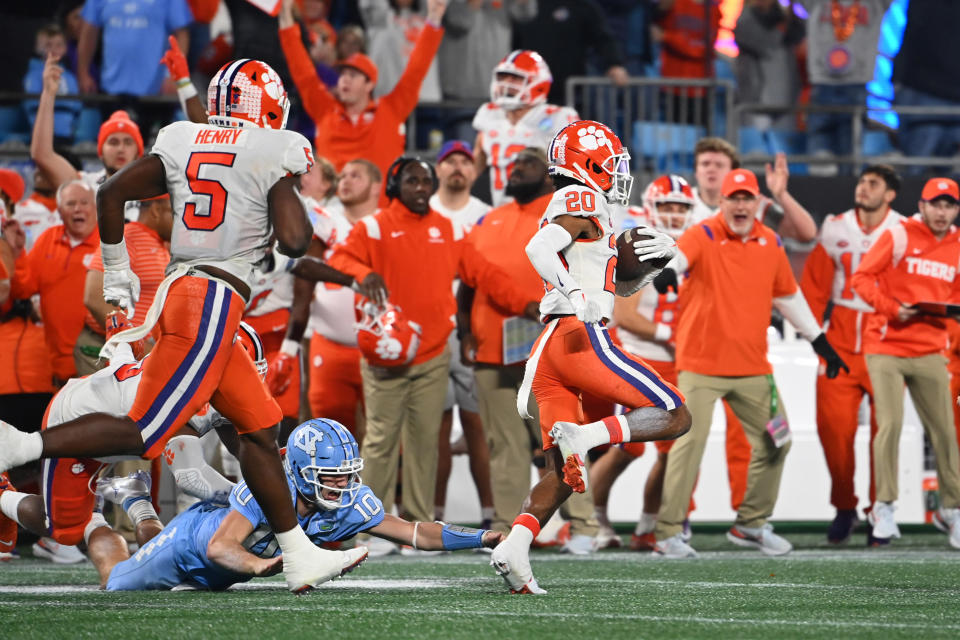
197	219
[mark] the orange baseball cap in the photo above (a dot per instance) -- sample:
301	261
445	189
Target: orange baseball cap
940	188
11	184
361	63
740	180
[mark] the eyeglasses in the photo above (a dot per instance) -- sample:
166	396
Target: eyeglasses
741	199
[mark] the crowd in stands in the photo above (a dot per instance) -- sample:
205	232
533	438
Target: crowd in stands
355	71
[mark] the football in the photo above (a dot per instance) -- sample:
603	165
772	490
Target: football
629	266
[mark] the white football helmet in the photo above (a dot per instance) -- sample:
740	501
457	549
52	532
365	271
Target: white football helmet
534	85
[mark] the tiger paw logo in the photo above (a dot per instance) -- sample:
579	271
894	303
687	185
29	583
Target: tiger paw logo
169	455
389	348
592	138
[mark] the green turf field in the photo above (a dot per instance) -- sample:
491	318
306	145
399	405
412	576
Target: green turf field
910	590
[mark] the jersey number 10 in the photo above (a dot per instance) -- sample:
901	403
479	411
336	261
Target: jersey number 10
196	219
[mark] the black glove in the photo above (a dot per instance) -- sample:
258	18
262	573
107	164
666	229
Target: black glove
666	280
833	359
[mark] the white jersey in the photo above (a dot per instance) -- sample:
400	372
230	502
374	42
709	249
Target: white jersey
34	219
112	390
588	262
109	390
218	180
701	210
845	241
273	289
465	217
502	141
332	312
131	208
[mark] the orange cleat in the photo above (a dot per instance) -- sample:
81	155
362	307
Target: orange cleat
8	527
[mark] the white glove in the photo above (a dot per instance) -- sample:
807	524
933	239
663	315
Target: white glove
121	287
658	245
586	310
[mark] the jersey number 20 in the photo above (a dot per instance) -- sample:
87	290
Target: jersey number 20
199	220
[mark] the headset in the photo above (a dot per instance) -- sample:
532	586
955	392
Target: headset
392	190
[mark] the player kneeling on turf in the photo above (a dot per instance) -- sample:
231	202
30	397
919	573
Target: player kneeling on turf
213	547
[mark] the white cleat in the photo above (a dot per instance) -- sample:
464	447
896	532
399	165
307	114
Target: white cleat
320	566
57	553
607	538
881	517
948	521
570	439
762	538
513	565
8	445
122	491
579	545
673	548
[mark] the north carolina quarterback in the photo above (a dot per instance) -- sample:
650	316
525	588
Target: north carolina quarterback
516	117
575	252
232	183
213	547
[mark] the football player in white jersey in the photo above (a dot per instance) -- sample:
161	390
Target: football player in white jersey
844	239
335	389
232	184
575	252
64	510
516	117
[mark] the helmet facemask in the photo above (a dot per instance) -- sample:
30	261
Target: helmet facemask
312	475
510	95
618	167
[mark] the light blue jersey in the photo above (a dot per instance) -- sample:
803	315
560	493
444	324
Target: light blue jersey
178	554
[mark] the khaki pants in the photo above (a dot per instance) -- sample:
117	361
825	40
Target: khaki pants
510	438
749	398
929	384
404	409
86	352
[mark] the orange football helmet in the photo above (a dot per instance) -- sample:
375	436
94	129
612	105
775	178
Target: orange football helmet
247	92
385	337
532	69
591	153
117	321
669	188
250	341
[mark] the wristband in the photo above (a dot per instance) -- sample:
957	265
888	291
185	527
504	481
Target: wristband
290	347
455	538
115	256
662	332
186	91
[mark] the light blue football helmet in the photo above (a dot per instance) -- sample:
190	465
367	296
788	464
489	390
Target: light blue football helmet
322	447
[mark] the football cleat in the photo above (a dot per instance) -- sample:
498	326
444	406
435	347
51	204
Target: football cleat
51	550
644	542
843	526
762	538
570	439
8	526
948	521
513	565
579	545
323	567
607	538
125	491
673	548
881	517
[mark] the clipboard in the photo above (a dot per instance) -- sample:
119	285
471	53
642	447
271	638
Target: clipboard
940	309
519	334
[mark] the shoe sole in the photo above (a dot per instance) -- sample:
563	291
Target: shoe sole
46	554
308	588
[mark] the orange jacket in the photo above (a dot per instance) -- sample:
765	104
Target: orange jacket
378	135
418	257
25	358
907	265
726	300
502	235
57	272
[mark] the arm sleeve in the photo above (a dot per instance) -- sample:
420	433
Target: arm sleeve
317	100
479	273
544	253
404	96
864	279
795	309
353	255
817	280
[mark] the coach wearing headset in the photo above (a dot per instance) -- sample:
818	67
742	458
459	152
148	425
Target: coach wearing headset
410	255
